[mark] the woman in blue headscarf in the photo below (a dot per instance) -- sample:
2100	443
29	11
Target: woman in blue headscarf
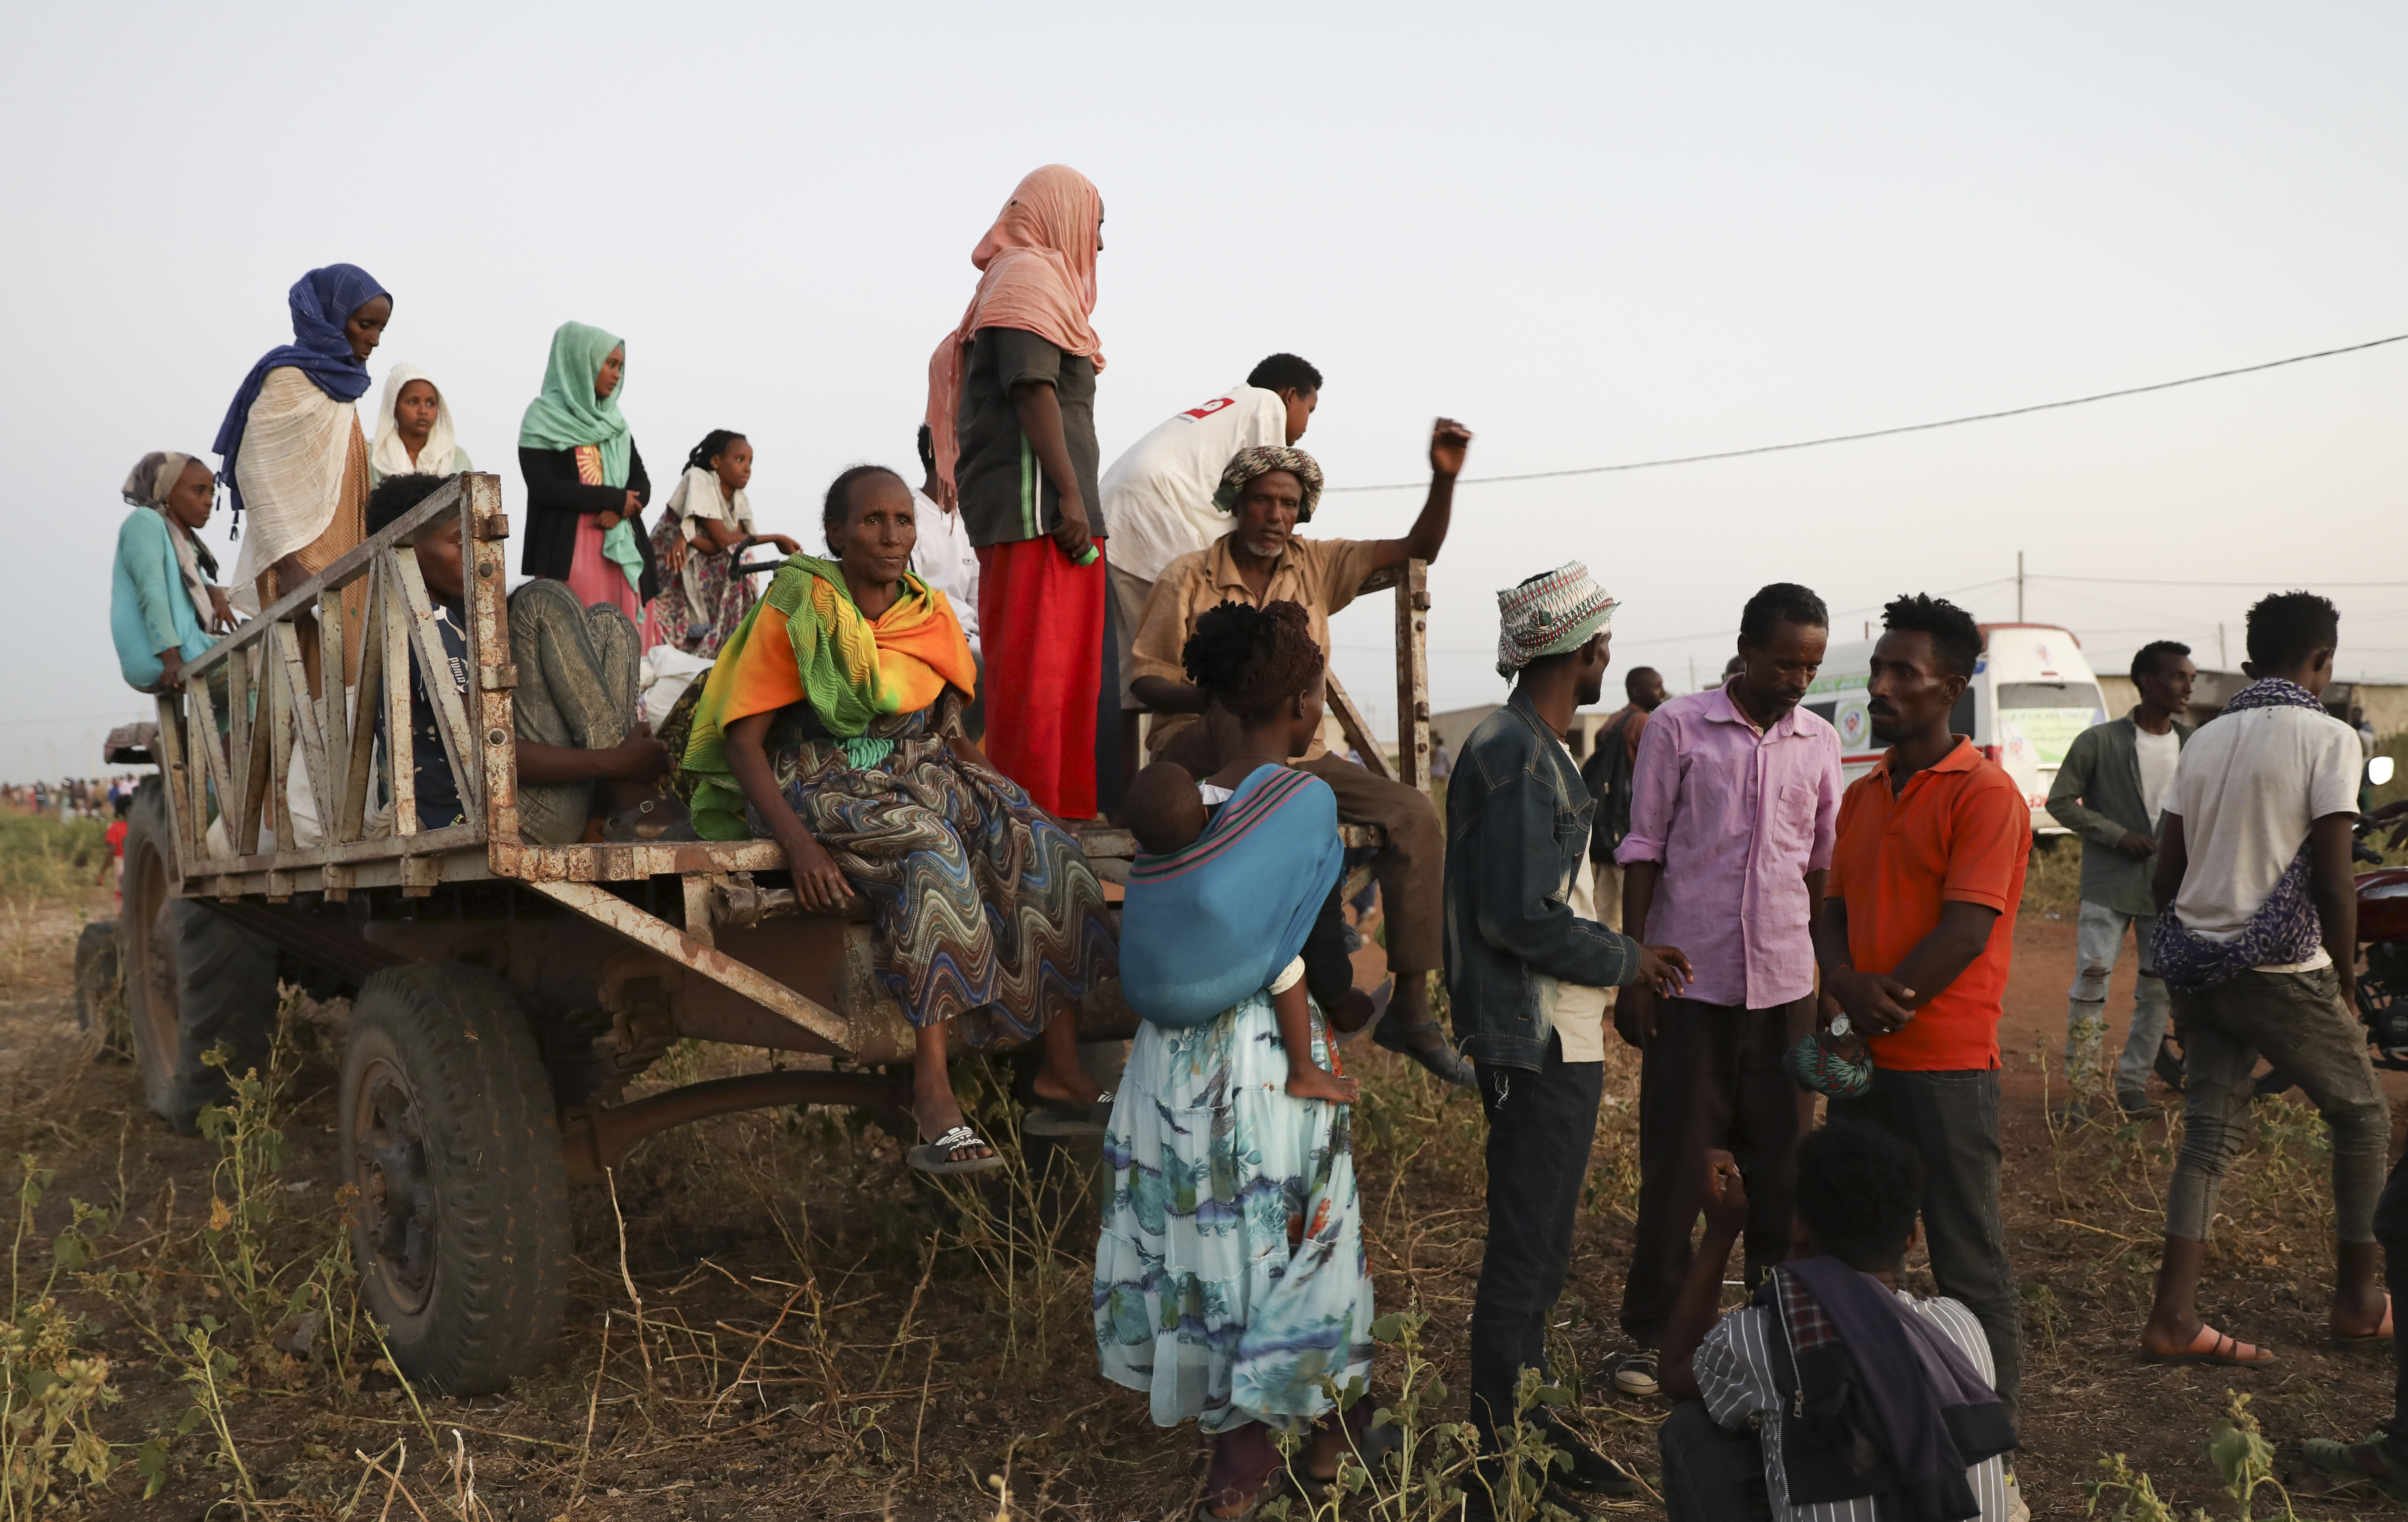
291	444
586	485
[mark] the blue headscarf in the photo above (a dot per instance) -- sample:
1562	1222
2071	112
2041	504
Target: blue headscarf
322	301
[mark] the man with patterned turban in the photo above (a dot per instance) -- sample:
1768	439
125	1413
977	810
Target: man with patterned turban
1269	491
1527	964
1158	496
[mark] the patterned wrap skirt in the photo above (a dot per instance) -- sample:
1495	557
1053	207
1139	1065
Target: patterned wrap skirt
1230	1274
986	910
701	602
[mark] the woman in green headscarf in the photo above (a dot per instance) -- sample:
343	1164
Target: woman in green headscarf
586	486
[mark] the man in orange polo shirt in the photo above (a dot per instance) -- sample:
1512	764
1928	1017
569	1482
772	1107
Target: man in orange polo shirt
1913	944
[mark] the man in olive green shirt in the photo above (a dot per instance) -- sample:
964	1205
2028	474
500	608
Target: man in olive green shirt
2111	791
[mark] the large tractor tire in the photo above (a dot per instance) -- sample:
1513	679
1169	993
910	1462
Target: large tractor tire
462	1233
194	979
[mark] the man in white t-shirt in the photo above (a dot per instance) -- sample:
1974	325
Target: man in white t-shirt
1158	494
2257	938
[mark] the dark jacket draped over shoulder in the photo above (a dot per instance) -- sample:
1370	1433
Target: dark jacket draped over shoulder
556	499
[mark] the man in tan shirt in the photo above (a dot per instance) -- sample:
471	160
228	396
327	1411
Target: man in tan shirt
1269	491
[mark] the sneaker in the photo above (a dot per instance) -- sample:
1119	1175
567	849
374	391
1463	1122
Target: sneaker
1634	1372
2134	1103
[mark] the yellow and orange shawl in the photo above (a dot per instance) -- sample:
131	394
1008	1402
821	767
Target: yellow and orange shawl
815	646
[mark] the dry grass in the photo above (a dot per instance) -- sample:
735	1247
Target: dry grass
772	1317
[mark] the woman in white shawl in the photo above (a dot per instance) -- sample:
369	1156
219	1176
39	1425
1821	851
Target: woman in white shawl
414	433
294	452
701	599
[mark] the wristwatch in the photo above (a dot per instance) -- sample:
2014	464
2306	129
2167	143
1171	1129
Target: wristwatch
1840	1026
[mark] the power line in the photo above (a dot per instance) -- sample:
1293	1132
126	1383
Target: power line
2149	580
1884	433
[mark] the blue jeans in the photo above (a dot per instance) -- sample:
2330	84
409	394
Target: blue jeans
1540	1127
2099	940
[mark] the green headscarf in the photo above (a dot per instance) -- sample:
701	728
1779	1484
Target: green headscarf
566	415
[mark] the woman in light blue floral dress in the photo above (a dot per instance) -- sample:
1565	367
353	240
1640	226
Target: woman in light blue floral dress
1231	1284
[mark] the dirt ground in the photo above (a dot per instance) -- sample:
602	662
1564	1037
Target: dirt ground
786	1326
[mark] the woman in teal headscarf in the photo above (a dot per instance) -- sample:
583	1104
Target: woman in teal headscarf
586	486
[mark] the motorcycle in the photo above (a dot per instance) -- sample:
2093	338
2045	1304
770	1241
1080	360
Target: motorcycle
2383	931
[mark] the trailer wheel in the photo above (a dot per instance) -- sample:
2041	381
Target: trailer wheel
462	1230
194	979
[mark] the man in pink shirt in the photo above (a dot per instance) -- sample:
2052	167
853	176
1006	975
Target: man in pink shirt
1735	800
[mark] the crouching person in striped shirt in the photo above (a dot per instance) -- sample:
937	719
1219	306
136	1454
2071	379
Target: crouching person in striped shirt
1836	1396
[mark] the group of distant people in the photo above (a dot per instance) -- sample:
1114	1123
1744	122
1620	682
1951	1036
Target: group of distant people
69	798
1761	933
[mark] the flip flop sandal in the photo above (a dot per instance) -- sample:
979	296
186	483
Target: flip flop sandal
2213	1346
1826	1069
654	819
2340	1460
937	1157
1060	1122
2380	1334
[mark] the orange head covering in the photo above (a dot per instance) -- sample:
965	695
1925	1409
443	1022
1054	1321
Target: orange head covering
1037	273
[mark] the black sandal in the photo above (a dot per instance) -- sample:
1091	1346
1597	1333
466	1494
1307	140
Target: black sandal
1060	1122
939	1157
1426	1044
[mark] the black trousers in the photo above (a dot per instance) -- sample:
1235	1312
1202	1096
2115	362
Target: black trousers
1710	1077
1540	1127
1952	1119
1711	1475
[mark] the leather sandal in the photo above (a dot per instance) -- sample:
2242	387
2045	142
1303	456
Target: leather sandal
2380	1334
2213	1346
1425	1043
2368	1462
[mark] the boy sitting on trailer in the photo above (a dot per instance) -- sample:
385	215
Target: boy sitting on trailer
581	751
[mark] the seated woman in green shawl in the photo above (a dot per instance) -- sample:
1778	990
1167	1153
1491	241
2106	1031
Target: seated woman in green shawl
831	722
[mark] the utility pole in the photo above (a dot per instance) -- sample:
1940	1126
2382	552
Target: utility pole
2019	586
1693	674
2220	663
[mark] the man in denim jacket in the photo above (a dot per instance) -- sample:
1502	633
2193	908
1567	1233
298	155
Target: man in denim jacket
1528	963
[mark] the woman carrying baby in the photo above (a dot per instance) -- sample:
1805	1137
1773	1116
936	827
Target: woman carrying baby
1231	1284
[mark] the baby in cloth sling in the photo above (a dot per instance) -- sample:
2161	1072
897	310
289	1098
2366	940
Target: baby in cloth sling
1167	812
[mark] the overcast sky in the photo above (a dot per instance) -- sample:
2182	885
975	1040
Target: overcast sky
1594	232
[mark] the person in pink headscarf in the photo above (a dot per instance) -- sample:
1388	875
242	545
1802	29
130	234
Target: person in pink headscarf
1011	408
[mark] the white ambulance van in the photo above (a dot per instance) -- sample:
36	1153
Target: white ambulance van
2031	693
